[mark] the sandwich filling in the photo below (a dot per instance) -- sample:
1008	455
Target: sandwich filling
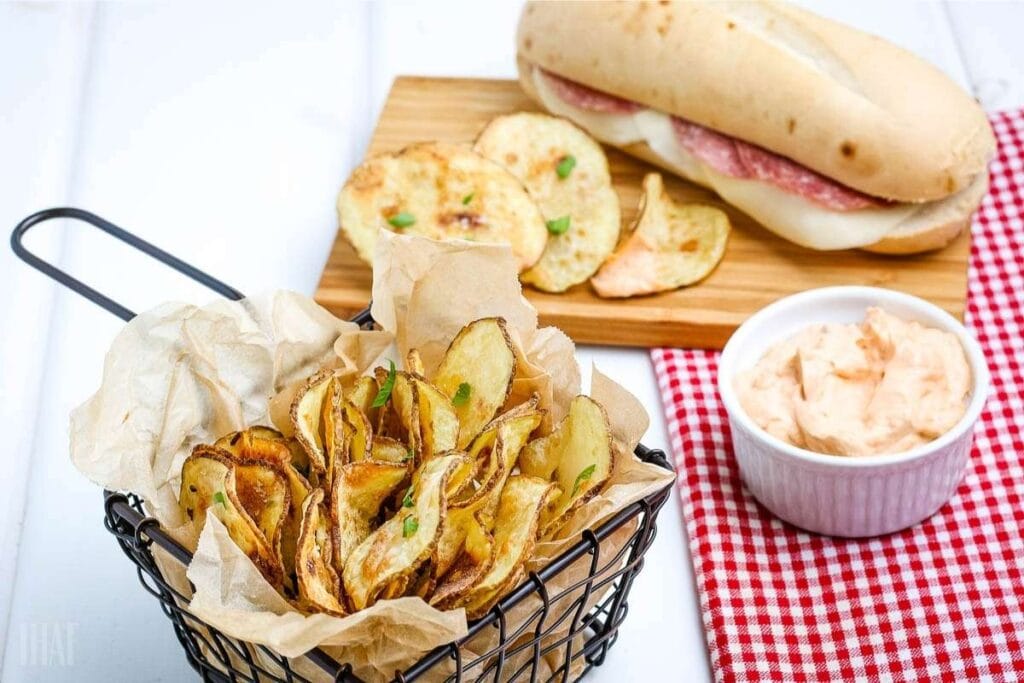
724	154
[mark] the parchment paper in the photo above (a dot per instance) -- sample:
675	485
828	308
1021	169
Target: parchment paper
181	375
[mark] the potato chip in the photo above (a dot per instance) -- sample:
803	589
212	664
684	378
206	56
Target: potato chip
208	482
494	452
470	567
311	421
359	491
357	432
319	585
476	374
268	445
441	191
391	450
522	503
672	245
404	542
566	173
362	394
577	456
437	422
414	363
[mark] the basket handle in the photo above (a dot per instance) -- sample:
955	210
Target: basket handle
79	287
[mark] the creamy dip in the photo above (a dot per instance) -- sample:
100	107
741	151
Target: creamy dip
883	386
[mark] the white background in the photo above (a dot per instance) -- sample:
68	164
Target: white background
222	132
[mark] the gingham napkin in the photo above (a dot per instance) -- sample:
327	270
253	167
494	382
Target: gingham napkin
943	600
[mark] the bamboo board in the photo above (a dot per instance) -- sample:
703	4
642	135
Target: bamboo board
757	269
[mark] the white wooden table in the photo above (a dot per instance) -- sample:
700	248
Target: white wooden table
221	132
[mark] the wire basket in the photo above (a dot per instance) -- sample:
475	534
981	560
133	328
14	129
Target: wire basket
532	634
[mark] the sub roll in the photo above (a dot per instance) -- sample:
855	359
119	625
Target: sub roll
830	137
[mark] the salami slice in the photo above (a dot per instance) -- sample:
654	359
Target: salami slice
739	159
579	95
714	149
800	180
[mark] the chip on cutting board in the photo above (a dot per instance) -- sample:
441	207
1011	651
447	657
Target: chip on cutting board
440	191
566	172
672	245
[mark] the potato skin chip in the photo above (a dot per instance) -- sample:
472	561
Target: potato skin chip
671	246
307	417
400	545
481	357
523	501
422	190
566	172
208	482
318	584
359	491
577	456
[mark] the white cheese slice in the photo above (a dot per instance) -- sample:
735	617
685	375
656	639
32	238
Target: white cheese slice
614	129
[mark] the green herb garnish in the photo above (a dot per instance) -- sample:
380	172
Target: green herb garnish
565	166
558	226
402	220
461	394
468	198
407	501
587	473
409	526
385	389
219	497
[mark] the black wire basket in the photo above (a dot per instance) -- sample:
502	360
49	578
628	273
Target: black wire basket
553	635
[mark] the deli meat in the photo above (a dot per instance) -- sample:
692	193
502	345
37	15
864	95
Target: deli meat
725	154
579	95
739	159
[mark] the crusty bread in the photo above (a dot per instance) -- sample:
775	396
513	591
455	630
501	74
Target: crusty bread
932	226
842	102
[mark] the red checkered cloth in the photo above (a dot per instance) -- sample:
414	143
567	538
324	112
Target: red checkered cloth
943	600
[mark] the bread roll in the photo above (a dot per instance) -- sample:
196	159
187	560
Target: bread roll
844	103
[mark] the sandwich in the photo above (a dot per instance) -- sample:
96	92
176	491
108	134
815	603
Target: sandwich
829	137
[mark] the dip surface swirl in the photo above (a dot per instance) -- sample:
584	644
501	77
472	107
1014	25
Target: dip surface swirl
882	386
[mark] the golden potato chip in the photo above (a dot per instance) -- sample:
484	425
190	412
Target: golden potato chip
494	453
319	585
390	450
566	172
577	456
441	191
359	491
437	423
362	394
208	482
400	545
522	502
472	564
308	418
476	374
357	433
672	245
268	445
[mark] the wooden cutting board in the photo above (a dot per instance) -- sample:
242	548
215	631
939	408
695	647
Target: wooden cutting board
758	267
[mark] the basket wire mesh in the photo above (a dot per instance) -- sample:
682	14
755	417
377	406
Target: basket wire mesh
547	629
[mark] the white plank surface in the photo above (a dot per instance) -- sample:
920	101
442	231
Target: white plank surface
221	132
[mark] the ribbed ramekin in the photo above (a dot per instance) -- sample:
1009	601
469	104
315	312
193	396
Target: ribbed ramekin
839	495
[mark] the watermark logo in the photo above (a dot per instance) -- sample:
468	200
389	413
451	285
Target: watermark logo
48	643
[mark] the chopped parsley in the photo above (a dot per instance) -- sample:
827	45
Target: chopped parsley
384	393
409	526
468	198
407	501
402	220
462	394
219	498
587	473
559	226
565	166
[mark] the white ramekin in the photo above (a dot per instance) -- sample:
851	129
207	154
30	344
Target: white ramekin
837	495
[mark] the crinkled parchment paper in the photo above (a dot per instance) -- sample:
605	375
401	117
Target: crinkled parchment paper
180	375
